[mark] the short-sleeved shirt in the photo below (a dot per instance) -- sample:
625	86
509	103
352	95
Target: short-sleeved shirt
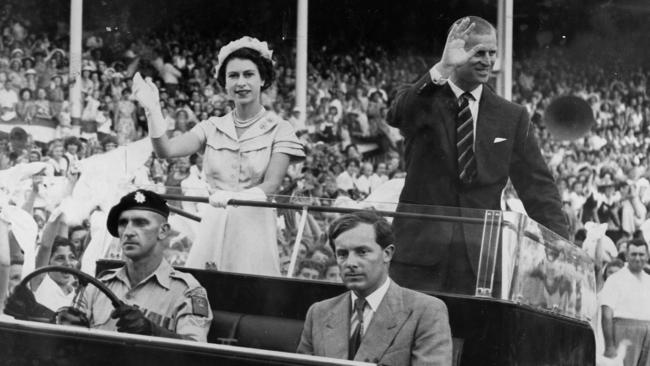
627	295
171	299
236	163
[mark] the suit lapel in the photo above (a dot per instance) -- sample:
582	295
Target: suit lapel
337	328
444	105
384	326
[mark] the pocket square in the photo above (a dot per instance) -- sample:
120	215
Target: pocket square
499	139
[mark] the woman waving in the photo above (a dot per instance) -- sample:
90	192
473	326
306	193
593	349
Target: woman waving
246	155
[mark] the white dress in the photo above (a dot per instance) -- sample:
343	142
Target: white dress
240	239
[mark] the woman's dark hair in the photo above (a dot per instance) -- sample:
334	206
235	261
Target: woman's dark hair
311	264
61	241
613	263
71	141
264	65
193	158
349	147
383	233
23	90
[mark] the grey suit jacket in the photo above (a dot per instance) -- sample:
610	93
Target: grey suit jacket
408	328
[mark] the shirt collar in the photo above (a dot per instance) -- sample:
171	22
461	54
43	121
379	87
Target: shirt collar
161	274
476	93
642	276
374	299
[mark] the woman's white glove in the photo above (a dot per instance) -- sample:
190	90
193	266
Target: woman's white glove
146	93
221	198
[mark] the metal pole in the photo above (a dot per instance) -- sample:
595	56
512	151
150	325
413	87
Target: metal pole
341	210
504	34
76	32
296	243
301	60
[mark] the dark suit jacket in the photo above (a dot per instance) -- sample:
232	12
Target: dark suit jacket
409	328
505	147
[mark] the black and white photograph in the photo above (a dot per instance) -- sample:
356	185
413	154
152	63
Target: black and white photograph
325	182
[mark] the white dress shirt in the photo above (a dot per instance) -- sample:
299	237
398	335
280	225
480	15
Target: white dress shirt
627	295
373	300
437	79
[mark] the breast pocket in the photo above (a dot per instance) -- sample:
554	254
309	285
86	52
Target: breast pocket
498	155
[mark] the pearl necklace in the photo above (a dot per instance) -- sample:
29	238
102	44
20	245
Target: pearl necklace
247	122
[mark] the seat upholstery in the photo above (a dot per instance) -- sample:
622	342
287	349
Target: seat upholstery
257	331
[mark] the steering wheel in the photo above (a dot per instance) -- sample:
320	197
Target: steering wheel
83	278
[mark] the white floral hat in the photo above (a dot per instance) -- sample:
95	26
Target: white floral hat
243	42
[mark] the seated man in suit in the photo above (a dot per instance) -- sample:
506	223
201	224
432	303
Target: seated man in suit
377	320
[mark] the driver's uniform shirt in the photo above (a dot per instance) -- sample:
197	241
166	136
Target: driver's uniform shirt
171	299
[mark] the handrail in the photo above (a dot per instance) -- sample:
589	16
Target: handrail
344	210
314	208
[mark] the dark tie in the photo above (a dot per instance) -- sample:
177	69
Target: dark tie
357	334
465	140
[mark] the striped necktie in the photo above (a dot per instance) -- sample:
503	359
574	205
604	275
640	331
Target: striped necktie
465	140
357	334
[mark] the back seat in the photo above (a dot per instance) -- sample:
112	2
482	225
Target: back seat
271	333
257	331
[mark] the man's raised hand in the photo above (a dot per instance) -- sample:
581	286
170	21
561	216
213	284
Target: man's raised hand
455	54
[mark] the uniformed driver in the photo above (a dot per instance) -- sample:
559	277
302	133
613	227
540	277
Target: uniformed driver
158	300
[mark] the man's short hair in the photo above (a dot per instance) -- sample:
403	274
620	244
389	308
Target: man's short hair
383	233
637	243
481	26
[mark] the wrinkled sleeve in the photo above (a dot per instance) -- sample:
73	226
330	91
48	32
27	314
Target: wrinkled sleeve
287	142
201	131
194	315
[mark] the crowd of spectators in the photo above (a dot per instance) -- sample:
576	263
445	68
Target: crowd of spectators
351	150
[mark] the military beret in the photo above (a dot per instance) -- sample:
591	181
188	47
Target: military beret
141	199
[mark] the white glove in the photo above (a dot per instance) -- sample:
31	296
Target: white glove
221	198
146	93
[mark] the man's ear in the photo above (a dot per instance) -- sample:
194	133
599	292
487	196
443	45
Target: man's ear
388	253
164	230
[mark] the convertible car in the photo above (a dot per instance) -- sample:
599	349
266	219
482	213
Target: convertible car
538	314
